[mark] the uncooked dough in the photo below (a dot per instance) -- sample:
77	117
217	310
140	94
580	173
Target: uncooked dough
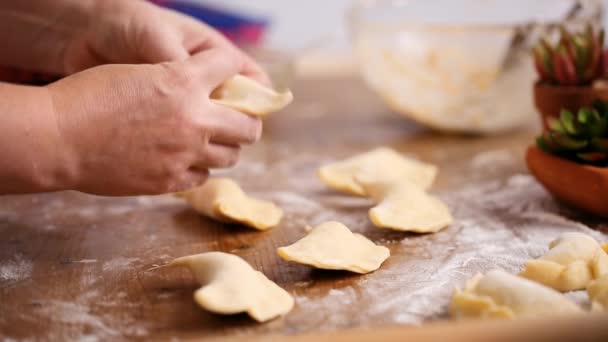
332	246
230	285
223	200
502	295
598	293
382	163
573	260
404	206
248	96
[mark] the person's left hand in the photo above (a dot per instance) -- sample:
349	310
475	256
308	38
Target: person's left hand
140	32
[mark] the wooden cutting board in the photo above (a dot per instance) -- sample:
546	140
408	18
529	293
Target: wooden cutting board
77	266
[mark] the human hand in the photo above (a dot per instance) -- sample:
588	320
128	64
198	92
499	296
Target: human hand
139	32
150	128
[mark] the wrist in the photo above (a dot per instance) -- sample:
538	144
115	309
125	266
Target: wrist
57	167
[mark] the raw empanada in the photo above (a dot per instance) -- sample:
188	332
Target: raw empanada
598	293
248	96
382	163
223	200
404	206
573	260
333	246
230	285
502	295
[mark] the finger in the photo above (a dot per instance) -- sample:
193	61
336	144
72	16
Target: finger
163	47
215	66
214	39
230	127
191	178
254	71
217	156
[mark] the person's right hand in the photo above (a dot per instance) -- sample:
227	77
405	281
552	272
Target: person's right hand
150	128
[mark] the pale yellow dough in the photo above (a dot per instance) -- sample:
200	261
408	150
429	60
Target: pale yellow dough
404	206
230	285
598	293
332	246
382	163
248	96
223	200
502	295
573	260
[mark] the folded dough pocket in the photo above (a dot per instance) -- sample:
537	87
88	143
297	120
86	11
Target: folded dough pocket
383	163
230	285
223	200
573	260
502	295
404	206
250	97
332	246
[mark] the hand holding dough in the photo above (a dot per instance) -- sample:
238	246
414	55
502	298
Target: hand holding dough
230	285
250	97
223	200
332	246
598	294
502	295
383	163
404	206
573	260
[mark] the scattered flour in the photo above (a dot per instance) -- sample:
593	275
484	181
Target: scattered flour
118	263
15	269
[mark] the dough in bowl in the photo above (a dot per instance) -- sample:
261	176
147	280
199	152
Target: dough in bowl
573	260
382	163
250	97
223	199
502	295
332	246
230	285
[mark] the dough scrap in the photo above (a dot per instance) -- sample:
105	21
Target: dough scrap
573	260
250	97
230	285
598	293
383	163
332	246
404	206
223	200
502	295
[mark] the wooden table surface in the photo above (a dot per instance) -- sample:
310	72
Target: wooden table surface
74	266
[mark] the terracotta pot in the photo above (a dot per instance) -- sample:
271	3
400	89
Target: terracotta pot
581	186
551	99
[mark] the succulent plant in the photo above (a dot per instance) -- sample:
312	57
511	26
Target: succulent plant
576	59
581	137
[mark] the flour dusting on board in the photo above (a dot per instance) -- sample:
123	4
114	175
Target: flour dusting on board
15	269
497	225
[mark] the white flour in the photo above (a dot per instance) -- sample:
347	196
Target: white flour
498	225
15	269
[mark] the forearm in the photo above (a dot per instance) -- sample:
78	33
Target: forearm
34	157
35	33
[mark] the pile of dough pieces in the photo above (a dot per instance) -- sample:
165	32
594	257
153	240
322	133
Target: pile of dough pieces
575	261
397	184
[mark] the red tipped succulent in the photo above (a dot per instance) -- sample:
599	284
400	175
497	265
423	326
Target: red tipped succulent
576	59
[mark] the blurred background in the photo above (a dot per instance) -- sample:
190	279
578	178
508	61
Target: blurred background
318	27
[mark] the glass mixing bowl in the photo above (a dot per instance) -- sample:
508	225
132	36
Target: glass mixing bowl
459	65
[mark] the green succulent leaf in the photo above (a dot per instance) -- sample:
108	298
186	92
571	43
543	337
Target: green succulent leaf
566	142
555	125
568	122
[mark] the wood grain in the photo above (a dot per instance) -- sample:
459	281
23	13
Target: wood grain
77	266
